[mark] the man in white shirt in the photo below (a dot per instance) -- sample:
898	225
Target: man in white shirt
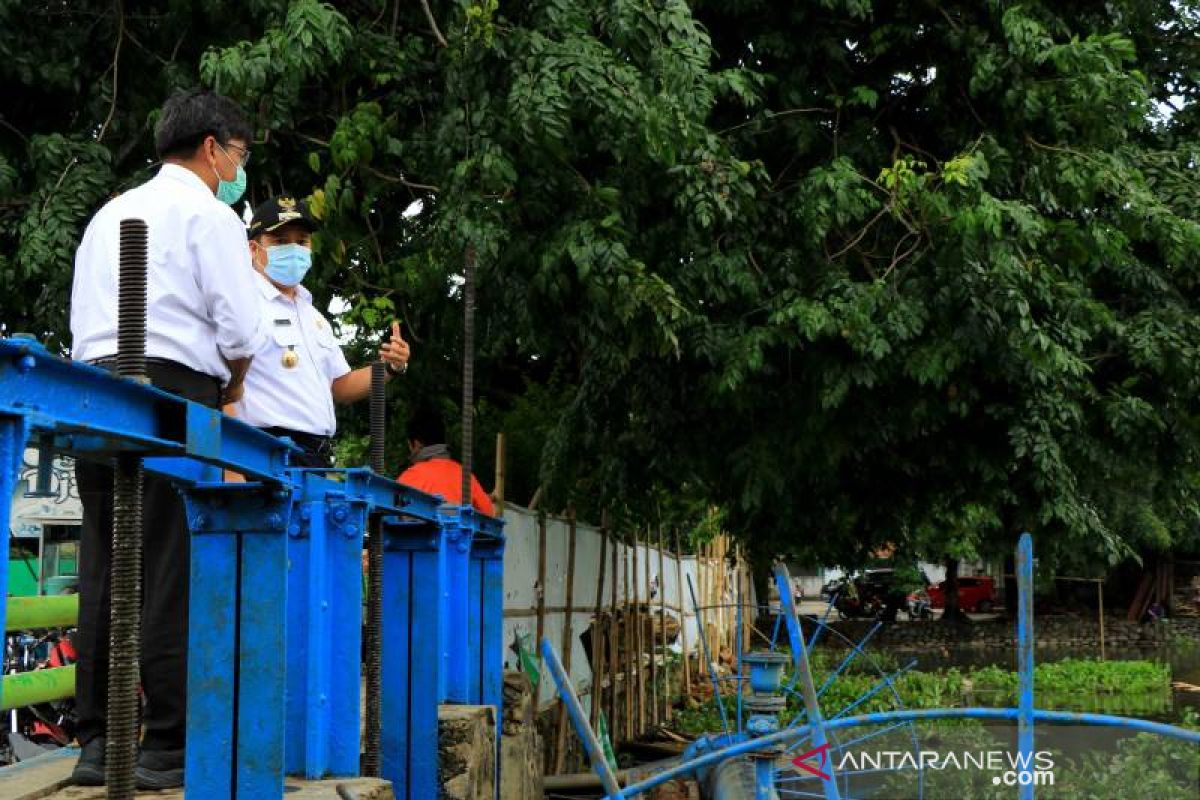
300	372
202	330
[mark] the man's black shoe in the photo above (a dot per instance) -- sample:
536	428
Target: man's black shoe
89	770
159	769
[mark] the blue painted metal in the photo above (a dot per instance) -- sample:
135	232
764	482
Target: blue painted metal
12	447
712	672
764	778
413	658
306	727
262	663
456	625
91	411
766	671
212	650
276	595
395	737
741	675
722	760
856	650
343	557
812	705
705	760
1025	660
591	744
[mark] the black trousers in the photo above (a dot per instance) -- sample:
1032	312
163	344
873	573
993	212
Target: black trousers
318	450
166	566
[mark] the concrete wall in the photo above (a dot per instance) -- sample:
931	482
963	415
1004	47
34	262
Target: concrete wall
521	589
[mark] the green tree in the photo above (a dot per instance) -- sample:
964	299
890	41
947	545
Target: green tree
857	272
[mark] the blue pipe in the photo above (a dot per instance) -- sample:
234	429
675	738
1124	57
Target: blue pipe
1025	660
592	745
800	660
712	672
910	715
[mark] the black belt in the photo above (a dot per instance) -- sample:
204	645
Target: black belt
308	442
110	363
174	377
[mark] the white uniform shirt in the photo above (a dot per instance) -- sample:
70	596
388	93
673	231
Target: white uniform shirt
201	301
299	398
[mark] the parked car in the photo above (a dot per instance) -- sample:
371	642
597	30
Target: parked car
976	594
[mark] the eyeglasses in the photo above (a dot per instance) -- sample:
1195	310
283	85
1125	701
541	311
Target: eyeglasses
243	159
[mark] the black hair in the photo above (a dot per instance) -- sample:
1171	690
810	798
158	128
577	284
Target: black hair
188	117
427	427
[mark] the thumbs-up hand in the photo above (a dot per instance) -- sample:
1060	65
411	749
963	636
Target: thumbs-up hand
395	351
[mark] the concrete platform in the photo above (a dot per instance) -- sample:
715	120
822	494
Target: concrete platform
46	778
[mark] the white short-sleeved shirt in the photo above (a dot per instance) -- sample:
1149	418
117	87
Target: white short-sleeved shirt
299	398
201	305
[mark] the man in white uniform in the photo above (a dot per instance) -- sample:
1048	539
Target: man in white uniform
301	371
202	329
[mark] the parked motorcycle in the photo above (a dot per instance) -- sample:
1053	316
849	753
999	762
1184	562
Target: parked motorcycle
45	726
919	606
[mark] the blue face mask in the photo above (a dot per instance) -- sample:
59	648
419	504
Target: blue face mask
287	264
229	192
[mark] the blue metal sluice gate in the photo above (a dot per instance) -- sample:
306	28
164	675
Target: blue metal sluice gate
275	629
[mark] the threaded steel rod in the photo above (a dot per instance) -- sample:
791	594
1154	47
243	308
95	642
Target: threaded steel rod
468	387
125	613
374	665
131	299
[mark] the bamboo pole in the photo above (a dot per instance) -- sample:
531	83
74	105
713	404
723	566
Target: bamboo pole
568	645
627	630
683	639
662	619
719	595
612	642
498	485
638	644
654	713
748	610
597	637
1100	597
541	587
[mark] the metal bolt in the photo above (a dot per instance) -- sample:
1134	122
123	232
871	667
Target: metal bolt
305	512
340	513
275	522
199	521
26	363
294	530
350	531
324	605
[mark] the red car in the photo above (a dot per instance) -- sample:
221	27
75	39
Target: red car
976	594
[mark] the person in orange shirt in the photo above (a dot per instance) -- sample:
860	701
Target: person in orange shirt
433	471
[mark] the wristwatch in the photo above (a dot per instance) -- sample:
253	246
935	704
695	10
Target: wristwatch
393	371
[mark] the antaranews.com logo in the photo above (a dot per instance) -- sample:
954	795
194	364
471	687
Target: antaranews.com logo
1008	768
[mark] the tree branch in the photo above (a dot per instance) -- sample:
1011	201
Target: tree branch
861	234
433	26
774	116
425	187
58	184
9	125
112	108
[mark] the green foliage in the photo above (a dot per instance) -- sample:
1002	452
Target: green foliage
850	272
1082	677
1070	684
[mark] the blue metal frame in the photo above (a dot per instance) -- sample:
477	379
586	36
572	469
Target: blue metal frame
276	583
712	753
